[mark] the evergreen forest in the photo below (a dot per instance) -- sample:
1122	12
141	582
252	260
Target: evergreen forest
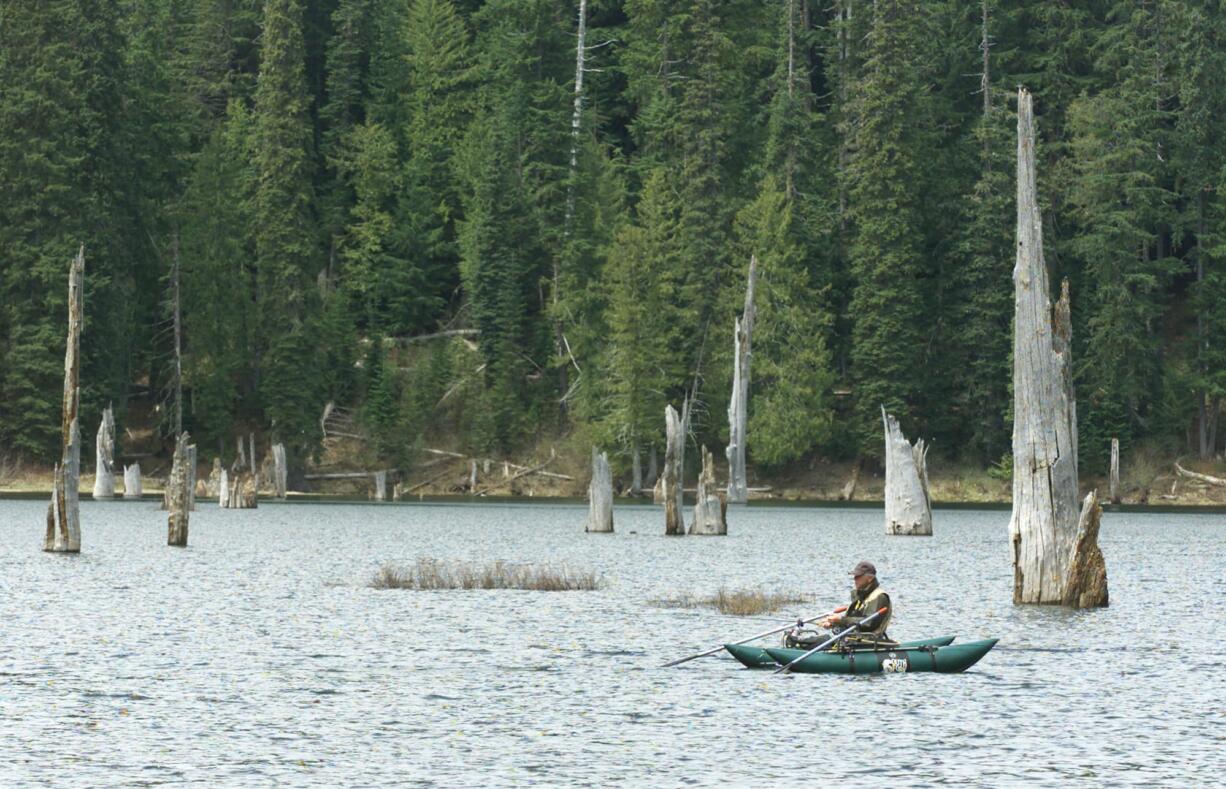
481	222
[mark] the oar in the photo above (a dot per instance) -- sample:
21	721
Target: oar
834	639
838	610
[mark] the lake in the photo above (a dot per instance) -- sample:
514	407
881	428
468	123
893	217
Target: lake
260	654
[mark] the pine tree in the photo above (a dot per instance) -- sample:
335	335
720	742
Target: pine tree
1122	202
889	139
981	322
642	365
1199	58
63	143
286	242
787	227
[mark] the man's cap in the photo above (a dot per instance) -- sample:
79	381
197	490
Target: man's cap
865	568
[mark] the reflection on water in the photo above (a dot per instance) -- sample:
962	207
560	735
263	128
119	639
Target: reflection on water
259	654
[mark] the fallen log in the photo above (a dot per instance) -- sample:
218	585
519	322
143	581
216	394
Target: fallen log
1205	478
533	470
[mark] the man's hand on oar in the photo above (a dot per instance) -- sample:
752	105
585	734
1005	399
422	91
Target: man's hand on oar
838	610
834	639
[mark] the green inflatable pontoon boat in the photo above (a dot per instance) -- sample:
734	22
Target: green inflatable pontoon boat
941	659
757	657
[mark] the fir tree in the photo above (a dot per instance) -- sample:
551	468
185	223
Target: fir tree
286	232
888	144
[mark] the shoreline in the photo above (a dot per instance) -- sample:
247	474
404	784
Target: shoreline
620	501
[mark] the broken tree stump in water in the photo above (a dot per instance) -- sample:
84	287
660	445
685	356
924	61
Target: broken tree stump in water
908	509
670	480
64	514
600	495
738	404
1114	483
213	485
1087	573
241	492
223	490
131	481
710	509
178	494
104	454
280	471
191	477
1051	553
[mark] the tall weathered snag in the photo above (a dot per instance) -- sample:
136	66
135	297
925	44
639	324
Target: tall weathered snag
738	404
908	507
178	499
670	481
280	472
710	508
63	515
1114	484
104	457
1043	530
600	495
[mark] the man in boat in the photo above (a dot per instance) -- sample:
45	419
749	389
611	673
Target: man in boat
866	598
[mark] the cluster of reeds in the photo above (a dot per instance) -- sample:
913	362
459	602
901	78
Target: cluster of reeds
430	574
737	602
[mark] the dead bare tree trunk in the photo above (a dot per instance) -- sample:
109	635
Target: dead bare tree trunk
738	404
849	488
64	515
191	477
670	481
1086	586
711	508
636	471
1114	484
223	490
131	481
178	496
908	508
104	462
380	480
241	492
281	471
213	485
1043	529
600	495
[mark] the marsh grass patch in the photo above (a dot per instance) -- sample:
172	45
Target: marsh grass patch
736	602
436	574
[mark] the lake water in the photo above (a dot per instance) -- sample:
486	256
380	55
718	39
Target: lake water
259	655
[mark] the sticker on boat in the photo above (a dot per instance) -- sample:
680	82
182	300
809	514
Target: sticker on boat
894	664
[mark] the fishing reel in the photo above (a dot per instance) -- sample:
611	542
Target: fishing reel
802	637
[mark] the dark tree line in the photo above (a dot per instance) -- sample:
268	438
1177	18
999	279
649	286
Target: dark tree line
339	178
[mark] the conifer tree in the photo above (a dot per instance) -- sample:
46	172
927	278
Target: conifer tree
982	308
1122	202
286	233
63	140
642	362
787	227
889	124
